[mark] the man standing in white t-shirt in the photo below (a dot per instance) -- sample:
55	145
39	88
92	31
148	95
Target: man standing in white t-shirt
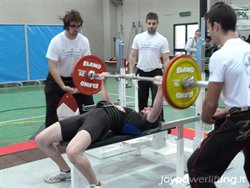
63	52
149	46
229	77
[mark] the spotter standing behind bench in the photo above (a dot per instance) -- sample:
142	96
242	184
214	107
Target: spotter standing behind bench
84	129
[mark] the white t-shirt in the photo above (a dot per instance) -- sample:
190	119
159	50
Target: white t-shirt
191	47
231	65
150	48
66	52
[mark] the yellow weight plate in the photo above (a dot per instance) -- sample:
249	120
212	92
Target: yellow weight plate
179	68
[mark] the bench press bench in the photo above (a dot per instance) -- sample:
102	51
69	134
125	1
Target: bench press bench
110	138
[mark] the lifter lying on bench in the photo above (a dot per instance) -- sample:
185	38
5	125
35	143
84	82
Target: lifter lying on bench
83	130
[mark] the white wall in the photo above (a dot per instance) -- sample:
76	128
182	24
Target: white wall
167	10
102	22
110	28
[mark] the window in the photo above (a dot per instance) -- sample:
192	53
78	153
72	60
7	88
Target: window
181	33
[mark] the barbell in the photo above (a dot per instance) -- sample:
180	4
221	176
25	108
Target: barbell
181	80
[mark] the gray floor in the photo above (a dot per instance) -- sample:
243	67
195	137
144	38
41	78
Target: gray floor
121	171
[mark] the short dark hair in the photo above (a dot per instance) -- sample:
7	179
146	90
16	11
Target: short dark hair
224	14
71	16
152	16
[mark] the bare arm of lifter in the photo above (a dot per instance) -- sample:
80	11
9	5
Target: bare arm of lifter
157	105
104	90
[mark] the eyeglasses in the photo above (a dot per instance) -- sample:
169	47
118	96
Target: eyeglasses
75	26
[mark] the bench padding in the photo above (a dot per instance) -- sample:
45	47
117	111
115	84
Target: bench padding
112	138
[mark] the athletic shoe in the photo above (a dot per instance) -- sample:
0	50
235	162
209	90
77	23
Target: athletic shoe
95	186
58	177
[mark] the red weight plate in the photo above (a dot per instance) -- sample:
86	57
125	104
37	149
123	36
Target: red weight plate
81	70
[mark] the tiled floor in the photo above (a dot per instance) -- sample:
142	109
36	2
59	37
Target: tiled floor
18	158
121	171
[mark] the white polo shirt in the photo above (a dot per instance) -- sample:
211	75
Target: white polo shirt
150	48
67	51
231	65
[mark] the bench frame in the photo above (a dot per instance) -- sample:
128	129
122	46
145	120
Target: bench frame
180	164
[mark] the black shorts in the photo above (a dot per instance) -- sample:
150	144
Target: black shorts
96	122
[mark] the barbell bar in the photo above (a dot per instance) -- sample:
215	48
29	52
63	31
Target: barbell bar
92	75
187	82
181	80
190	82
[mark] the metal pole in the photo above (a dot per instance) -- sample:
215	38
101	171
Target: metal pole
135	83
122	71
122	88
180	152
199	125
27	52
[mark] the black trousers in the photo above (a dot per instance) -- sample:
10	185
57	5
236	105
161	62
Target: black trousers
53	94
209	161
145	87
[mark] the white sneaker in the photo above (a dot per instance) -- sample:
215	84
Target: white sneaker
95	186
58	177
